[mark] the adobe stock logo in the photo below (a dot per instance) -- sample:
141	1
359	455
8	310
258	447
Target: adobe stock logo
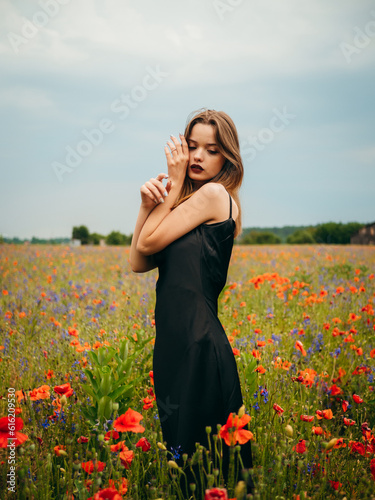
361	40
254	144
121	107
31	27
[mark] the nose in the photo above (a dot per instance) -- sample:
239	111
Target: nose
198	154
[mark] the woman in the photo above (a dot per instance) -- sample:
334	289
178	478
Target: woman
186	229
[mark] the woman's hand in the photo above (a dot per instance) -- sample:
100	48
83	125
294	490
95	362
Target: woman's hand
177	159
153	191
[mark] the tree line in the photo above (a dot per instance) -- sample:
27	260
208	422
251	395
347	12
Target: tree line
325	233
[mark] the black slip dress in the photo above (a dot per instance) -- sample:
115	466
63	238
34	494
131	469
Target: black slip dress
195	372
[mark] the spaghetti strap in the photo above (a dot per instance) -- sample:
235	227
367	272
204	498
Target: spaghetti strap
230	205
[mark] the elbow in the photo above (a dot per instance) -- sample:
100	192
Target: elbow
144	249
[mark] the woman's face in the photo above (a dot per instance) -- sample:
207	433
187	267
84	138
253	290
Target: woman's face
205	160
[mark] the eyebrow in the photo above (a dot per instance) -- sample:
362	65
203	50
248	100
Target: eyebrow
211	144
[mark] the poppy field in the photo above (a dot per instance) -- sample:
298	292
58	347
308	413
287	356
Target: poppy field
78	415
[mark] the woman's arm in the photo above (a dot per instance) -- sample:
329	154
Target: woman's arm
163	226
151	193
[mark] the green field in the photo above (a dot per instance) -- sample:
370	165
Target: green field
77	335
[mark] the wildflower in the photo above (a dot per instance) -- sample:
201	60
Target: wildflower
111	435
348	421
64	389
60	450
90	466
216	494
126	457
82	439
129	421
232	432
143	444
122	485
299	346
335	485
372	468
300	446
236	351
334	390
357	399
327	414
260	369
318	431
307	418
148	403
108	494
345	405
7	433
278	409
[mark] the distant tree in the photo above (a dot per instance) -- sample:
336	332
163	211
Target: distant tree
115	238
300	237
336	233
95	238
81	233
260	238
1	239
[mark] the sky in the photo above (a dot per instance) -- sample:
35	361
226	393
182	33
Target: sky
90	92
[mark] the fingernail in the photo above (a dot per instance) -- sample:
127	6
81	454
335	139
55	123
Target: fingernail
161	200
165	194
166	176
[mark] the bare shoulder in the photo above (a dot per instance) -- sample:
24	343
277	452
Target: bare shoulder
213	190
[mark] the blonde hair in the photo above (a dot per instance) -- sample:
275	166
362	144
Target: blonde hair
226	137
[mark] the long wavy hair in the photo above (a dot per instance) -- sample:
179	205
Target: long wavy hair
226	138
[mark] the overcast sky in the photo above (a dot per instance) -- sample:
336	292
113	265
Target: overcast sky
92	89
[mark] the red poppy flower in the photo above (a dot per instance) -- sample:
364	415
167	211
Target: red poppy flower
348	421
357	399
335	390
327	414
129	422
9	431
232	432
318	431
108	494
236	351
358	447
372	468
151	375
260	369
64	389
307	418
90	466
345	405
148	403
216	494
82	439
336	485
144	444
278	409
300	446
298	345
126	457
111	435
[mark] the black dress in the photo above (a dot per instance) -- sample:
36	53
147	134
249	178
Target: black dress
195	372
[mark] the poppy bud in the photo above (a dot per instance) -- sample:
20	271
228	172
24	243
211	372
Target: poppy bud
330	444
161	446
208	429
240	489
241	411
63	400
289	430
172	464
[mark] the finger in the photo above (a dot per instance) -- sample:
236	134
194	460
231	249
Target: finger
167	153
176	143
155	192
185	146
160	186
172	147
161	176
